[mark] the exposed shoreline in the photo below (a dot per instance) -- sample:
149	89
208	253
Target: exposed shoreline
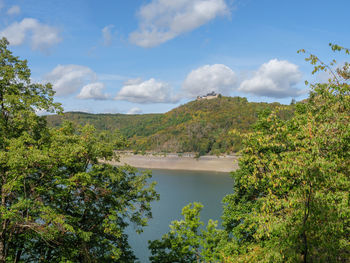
226	163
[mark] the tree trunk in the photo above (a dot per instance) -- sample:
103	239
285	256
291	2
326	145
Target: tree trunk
18	255
306	216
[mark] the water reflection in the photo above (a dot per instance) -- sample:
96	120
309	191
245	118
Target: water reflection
177	189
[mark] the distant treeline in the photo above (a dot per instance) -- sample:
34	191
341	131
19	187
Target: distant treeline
203	126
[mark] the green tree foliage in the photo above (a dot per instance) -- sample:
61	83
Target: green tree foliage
291	201
186	241
58	202
291	195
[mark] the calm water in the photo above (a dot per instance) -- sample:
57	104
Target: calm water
177	189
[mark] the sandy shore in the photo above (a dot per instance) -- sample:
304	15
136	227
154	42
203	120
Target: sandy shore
226	163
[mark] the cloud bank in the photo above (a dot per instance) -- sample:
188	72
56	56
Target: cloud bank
162	20
217	77
68	79
41	36
149	91
276	79
93	91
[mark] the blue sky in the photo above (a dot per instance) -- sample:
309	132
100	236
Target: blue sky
144	56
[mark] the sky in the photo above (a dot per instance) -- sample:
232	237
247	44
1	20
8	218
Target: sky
150	56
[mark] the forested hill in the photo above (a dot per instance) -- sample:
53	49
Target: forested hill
201	126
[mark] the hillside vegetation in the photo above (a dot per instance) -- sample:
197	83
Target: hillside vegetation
199	126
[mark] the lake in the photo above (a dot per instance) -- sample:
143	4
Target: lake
177	189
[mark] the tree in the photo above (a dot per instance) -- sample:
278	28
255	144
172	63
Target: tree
58	202
291	195
290	201
186	241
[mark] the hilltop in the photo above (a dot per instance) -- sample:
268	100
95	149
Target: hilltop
200	126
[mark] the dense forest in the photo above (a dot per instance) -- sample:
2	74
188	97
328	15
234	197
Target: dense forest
200	126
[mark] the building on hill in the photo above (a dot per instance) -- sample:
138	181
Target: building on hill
209	96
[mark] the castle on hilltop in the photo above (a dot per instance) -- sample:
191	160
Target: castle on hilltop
209	96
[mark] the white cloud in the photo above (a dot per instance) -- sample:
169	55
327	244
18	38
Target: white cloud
217	77
93	91
162	20
275	78
14	10
134	110
107	35
67	79
41	36
149	91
